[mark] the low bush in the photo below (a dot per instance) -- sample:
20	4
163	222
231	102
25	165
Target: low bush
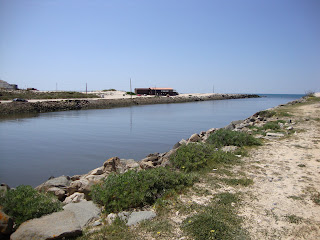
197	156
24	203
224	137
273	125
266	113
216	221
136	189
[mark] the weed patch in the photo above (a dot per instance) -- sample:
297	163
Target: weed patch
293	219
136	189
224	137
316	198
115	231
24	203
217	221
237	181
266	113
197	156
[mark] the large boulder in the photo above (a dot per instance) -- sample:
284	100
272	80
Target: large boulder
136	217
75	198
6	224
59	182
85	212
54	226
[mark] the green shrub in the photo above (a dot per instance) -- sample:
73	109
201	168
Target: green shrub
24	203
224	137
266	113
136	189
196	156
216	221
271	125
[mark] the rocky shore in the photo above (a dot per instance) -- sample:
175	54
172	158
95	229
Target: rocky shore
10	108
74	190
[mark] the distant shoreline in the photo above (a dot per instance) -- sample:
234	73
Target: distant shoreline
41	106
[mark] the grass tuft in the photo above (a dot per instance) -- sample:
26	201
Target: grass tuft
224	137
217	221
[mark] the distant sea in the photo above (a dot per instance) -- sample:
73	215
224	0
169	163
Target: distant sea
36	147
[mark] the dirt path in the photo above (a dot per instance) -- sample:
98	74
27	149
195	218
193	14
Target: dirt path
286	173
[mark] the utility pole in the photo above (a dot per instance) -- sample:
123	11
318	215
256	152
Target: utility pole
130	89
56	87
86	89
213	89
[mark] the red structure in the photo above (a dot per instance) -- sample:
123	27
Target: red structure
156	91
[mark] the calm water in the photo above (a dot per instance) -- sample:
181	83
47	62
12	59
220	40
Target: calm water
75	142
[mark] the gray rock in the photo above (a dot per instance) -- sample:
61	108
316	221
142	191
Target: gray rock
3	189
111	164
53	226
60	182
97	171
75	198
177	145
85	211
131	164
136	217
233	124
275	135
194	138
229	148
146	165
166	157
60	193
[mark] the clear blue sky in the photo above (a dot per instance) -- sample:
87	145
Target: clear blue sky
245	46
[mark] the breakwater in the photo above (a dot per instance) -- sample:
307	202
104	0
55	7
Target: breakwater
66	105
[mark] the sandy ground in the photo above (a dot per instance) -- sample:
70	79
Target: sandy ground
286	176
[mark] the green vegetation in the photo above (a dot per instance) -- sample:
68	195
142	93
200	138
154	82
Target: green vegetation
293	219
197	156
216	221
131	93
266	113
316	198
24	203
235	181
273	125
301	165
9	95
109	90
136	189
224	137
118	230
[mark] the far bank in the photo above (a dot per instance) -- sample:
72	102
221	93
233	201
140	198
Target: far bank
10	108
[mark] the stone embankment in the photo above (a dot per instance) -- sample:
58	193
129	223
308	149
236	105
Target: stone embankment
80	212
65	105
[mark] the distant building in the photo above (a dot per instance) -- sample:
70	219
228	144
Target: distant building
7	86
156	91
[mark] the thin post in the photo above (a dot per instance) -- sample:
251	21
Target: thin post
86	89
130	89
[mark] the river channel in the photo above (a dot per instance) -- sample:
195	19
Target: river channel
33	148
